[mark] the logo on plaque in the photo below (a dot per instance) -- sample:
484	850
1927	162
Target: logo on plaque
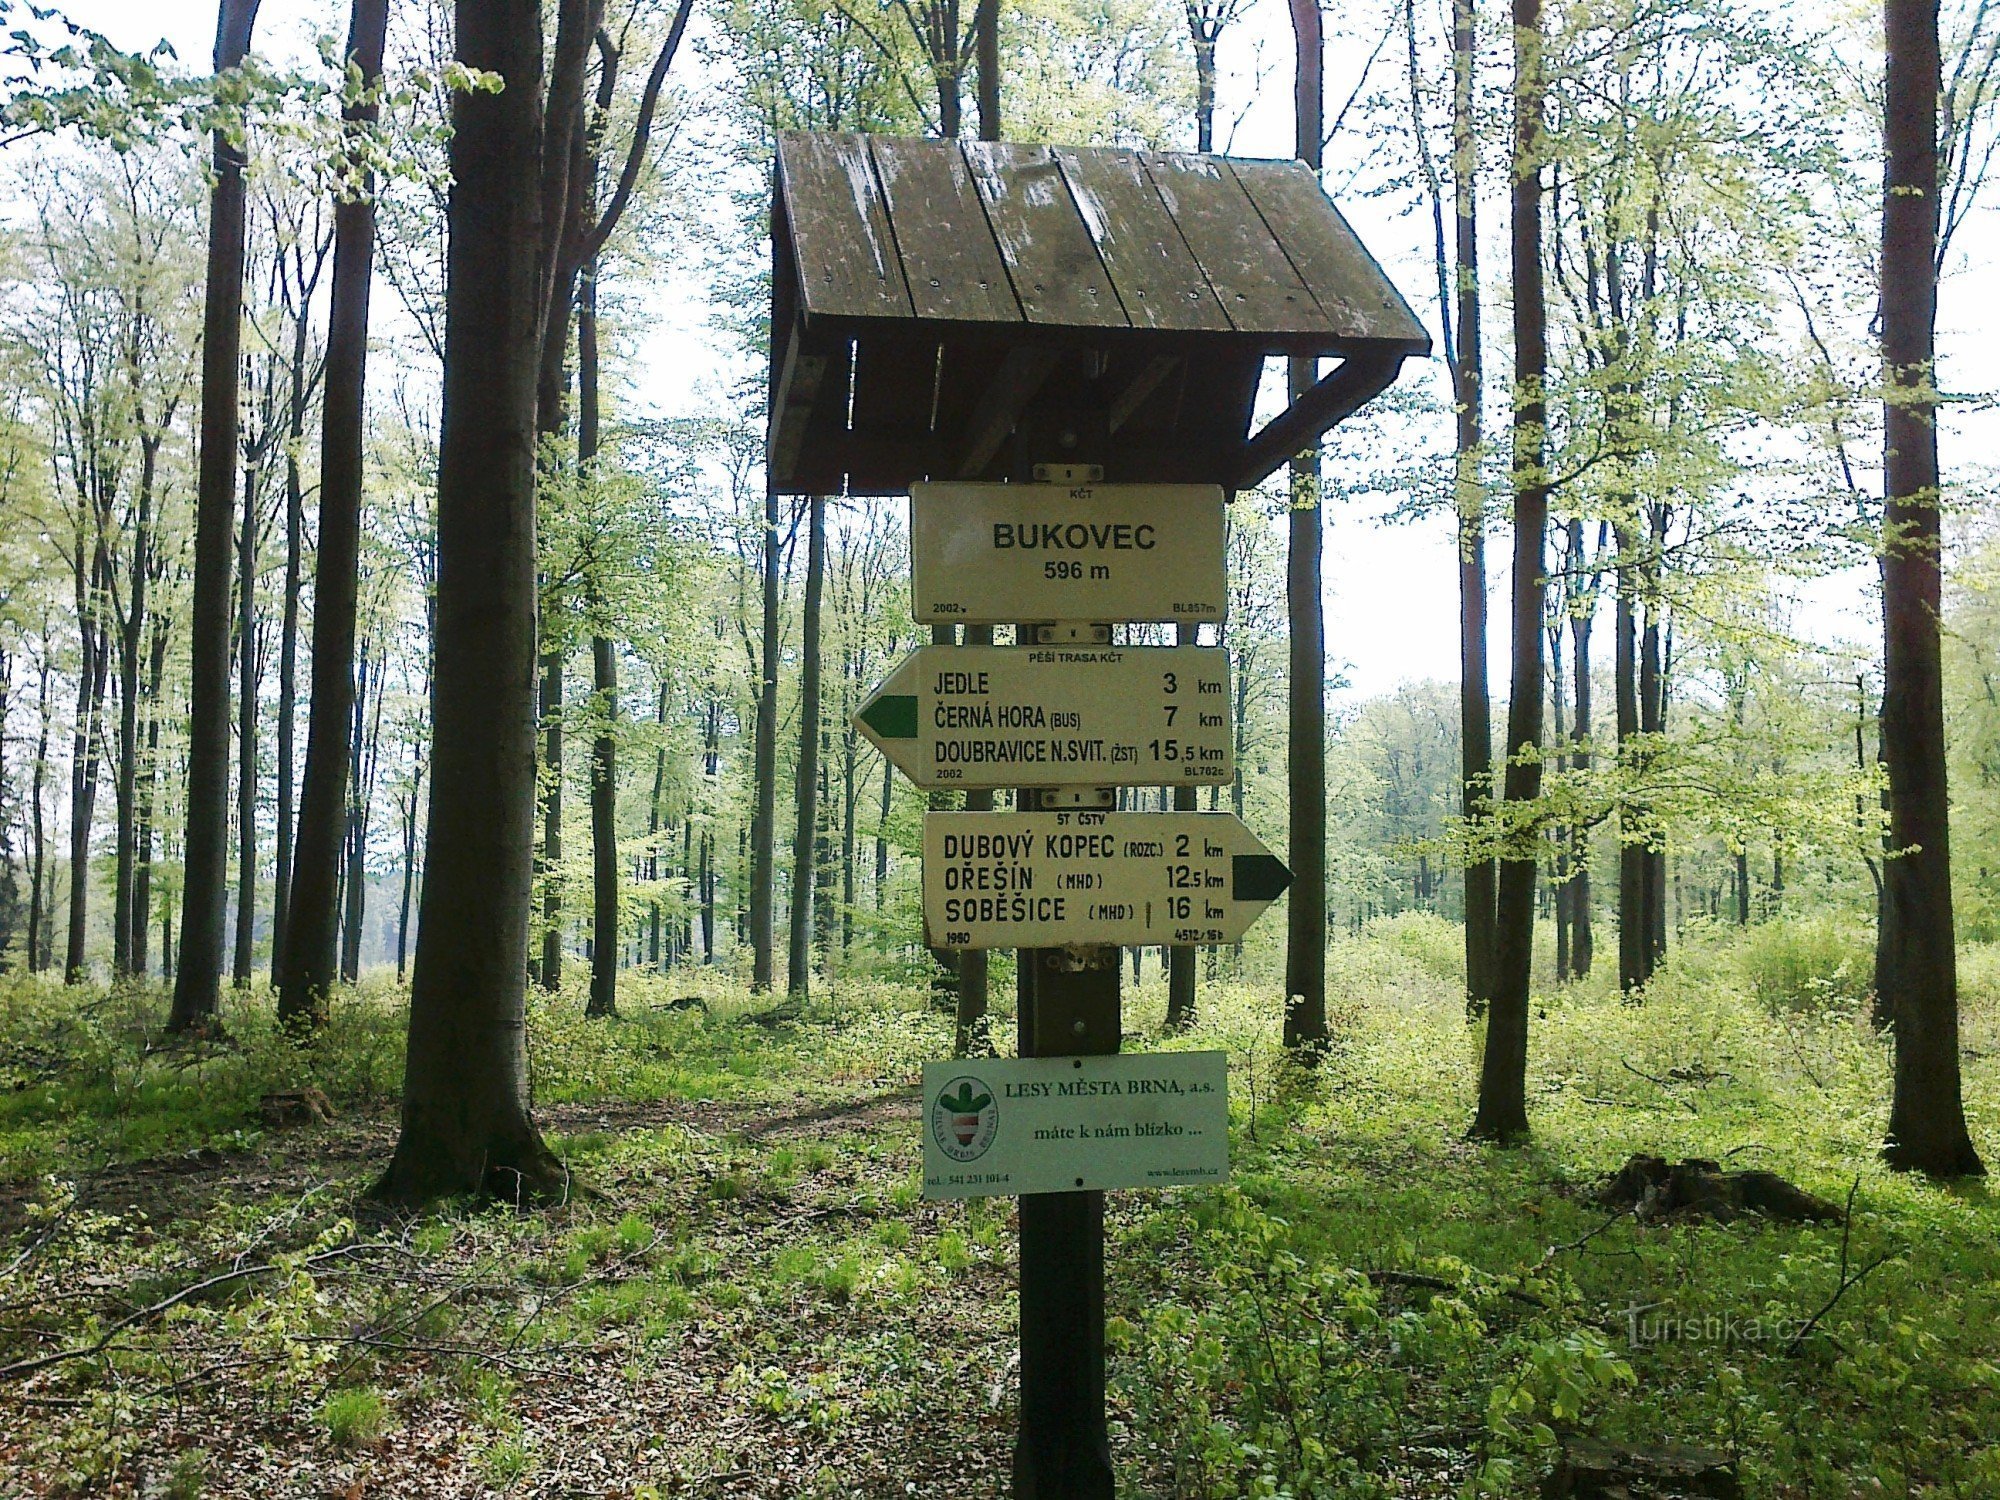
964	1119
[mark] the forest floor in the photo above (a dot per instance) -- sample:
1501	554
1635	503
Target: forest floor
748	1296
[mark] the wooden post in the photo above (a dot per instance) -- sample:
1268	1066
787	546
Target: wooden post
1063	1451
1069	1007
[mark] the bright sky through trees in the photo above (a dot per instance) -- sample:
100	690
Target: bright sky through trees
1374	572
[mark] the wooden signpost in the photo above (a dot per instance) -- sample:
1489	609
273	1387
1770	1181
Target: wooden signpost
949	314
986	554
996	716
1056	879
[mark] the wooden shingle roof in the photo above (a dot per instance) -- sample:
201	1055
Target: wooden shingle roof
923	290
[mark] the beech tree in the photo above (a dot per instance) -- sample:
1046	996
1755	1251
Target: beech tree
1503	1107
466	1123
198	980
1918	965
307	954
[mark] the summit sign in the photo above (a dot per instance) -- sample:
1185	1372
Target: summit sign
987	554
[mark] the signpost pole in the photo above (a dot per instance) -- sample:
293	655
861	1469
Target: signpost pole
1069	1007
1180	961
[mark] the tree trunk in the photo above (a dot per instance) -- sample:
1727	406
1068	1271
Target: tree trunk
124	935
142	875
604	874
798	955
1635	965
246	731
409	865
288	642
204	854
1475	718
466	1123
39	913
307	962
93	629
763	834
1582	942
1503	1108
653	814
1652	723
360	791
1305	936
1927	1130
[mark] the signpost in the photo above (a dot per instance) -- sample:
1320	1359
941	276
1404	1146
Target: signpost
1065	717
1060	715
1000	1126
987	554
1133	879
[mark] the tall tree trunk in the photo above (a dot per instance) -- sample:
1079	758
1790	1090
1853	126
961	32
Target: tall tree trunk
354	844
763	834
1503	1101
142	876
882	836
1305	937
1926	1116
1475	714
93	628
288	644
124	936
204	854
409	863
548	971
798	954
467	1126
246	730
653	812
39	912
1582	943
1653	723
604	881
307	962
1635	966
1563	834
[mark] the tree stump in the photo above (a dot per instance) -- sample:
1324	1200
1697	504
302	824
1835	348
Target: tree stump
1654	1188
1590	1470
306	1106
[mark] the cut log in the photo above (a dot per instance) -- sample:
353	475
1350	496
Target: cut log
1654	1188
1590	1470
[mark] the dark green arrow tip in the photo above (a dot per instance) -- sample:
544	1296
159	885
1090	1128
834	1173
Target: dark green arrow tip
1257	877
893	716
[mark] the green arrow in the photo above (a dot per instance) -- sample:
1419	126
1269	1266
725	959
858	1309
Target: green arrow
893	716
1257	877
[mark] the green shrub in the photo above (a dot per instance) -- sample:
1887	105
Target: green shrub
1807	963
1426	939
355	1418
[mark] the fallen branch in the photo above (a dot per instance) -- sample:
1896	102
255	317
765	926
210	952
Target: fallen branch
1847	1283
24	1367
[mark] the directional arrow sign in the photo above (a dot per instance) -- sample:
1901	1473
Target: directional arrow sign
990	716
989	553
1050	879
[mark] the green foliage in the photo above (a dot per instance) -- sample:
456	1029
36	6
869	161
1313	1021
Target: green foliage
355	1418
1817	962
1369	1309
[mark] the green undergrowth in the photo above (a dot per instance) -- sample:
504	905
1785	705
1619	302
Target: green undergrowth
750	1291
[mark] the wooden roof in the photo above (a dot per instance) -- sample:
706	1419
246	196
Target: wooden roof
923	291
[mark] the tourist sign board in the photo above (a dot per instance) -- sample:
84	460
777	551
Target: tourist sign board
1051	879
1001	1126
992	553
993	716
